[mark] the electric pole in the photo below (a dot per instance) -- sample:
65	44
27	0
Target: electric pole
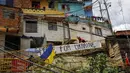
108	15
107	10
100	8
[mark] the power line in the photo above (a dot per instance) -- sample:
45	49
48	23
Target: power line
33	58
74	10
128	39
74	30
28	61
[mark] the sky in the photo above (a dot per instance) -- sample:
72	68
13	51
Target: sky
115	12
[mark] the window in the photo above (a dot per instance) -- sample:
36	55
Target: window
3	2
51	4
35	4
10	3
65	7
10	14
98	31
31	27
83	28
52	26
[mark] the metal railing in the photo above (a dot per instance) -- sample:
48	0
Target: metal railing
19	60
22	55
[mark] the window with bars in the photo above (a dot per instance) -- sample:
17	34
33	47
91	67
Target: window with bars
31	27
52	26
35	4
9	14
98	31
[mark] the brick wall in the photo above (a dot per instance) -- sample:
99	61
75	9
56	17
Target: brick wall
23	3
2	39
7	22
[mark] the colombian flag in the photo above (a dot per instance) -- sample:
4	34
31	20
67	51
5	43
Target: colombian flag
48	55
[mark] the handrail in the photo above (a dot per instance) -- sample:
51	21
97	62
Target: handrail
28	61
44	62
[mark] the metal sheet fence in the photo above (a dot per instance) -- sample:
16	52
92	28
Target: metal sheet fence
12	65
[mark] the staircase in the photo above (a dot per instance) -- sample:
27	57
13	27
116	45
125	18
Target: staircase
30	66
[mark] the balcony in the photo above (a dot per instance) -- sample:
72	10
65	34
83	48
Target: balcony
43	12
92	21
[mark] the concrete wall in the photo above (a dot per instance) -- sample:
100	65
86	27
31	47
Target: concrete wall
114	52
51	35
86	33
79	31
25	43
75	30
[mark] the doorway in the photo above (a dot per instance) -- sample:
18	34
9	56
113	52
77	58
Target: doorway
12	42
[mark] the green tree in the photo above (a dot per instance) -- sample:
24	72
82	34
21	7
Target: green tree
98	64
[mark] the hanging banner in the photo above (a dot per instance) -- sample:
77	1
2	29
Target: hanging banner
77	47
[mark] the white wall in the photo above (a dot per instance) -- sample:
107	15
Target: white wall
52	35
85	34
79	31
25	43
39	30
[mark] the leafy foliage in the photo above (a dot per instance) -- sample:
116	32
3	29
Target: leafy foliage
98	64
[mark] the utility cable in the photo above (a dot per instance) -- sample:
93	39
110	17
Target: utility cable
35	59
28	61
128	39
72	11
75	30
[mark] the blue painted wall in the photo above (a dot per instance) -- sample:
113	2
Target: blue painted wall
75	8
3	2
88	12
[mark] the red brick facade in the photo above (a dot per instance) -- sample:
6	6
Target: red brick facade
11	24
23	3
